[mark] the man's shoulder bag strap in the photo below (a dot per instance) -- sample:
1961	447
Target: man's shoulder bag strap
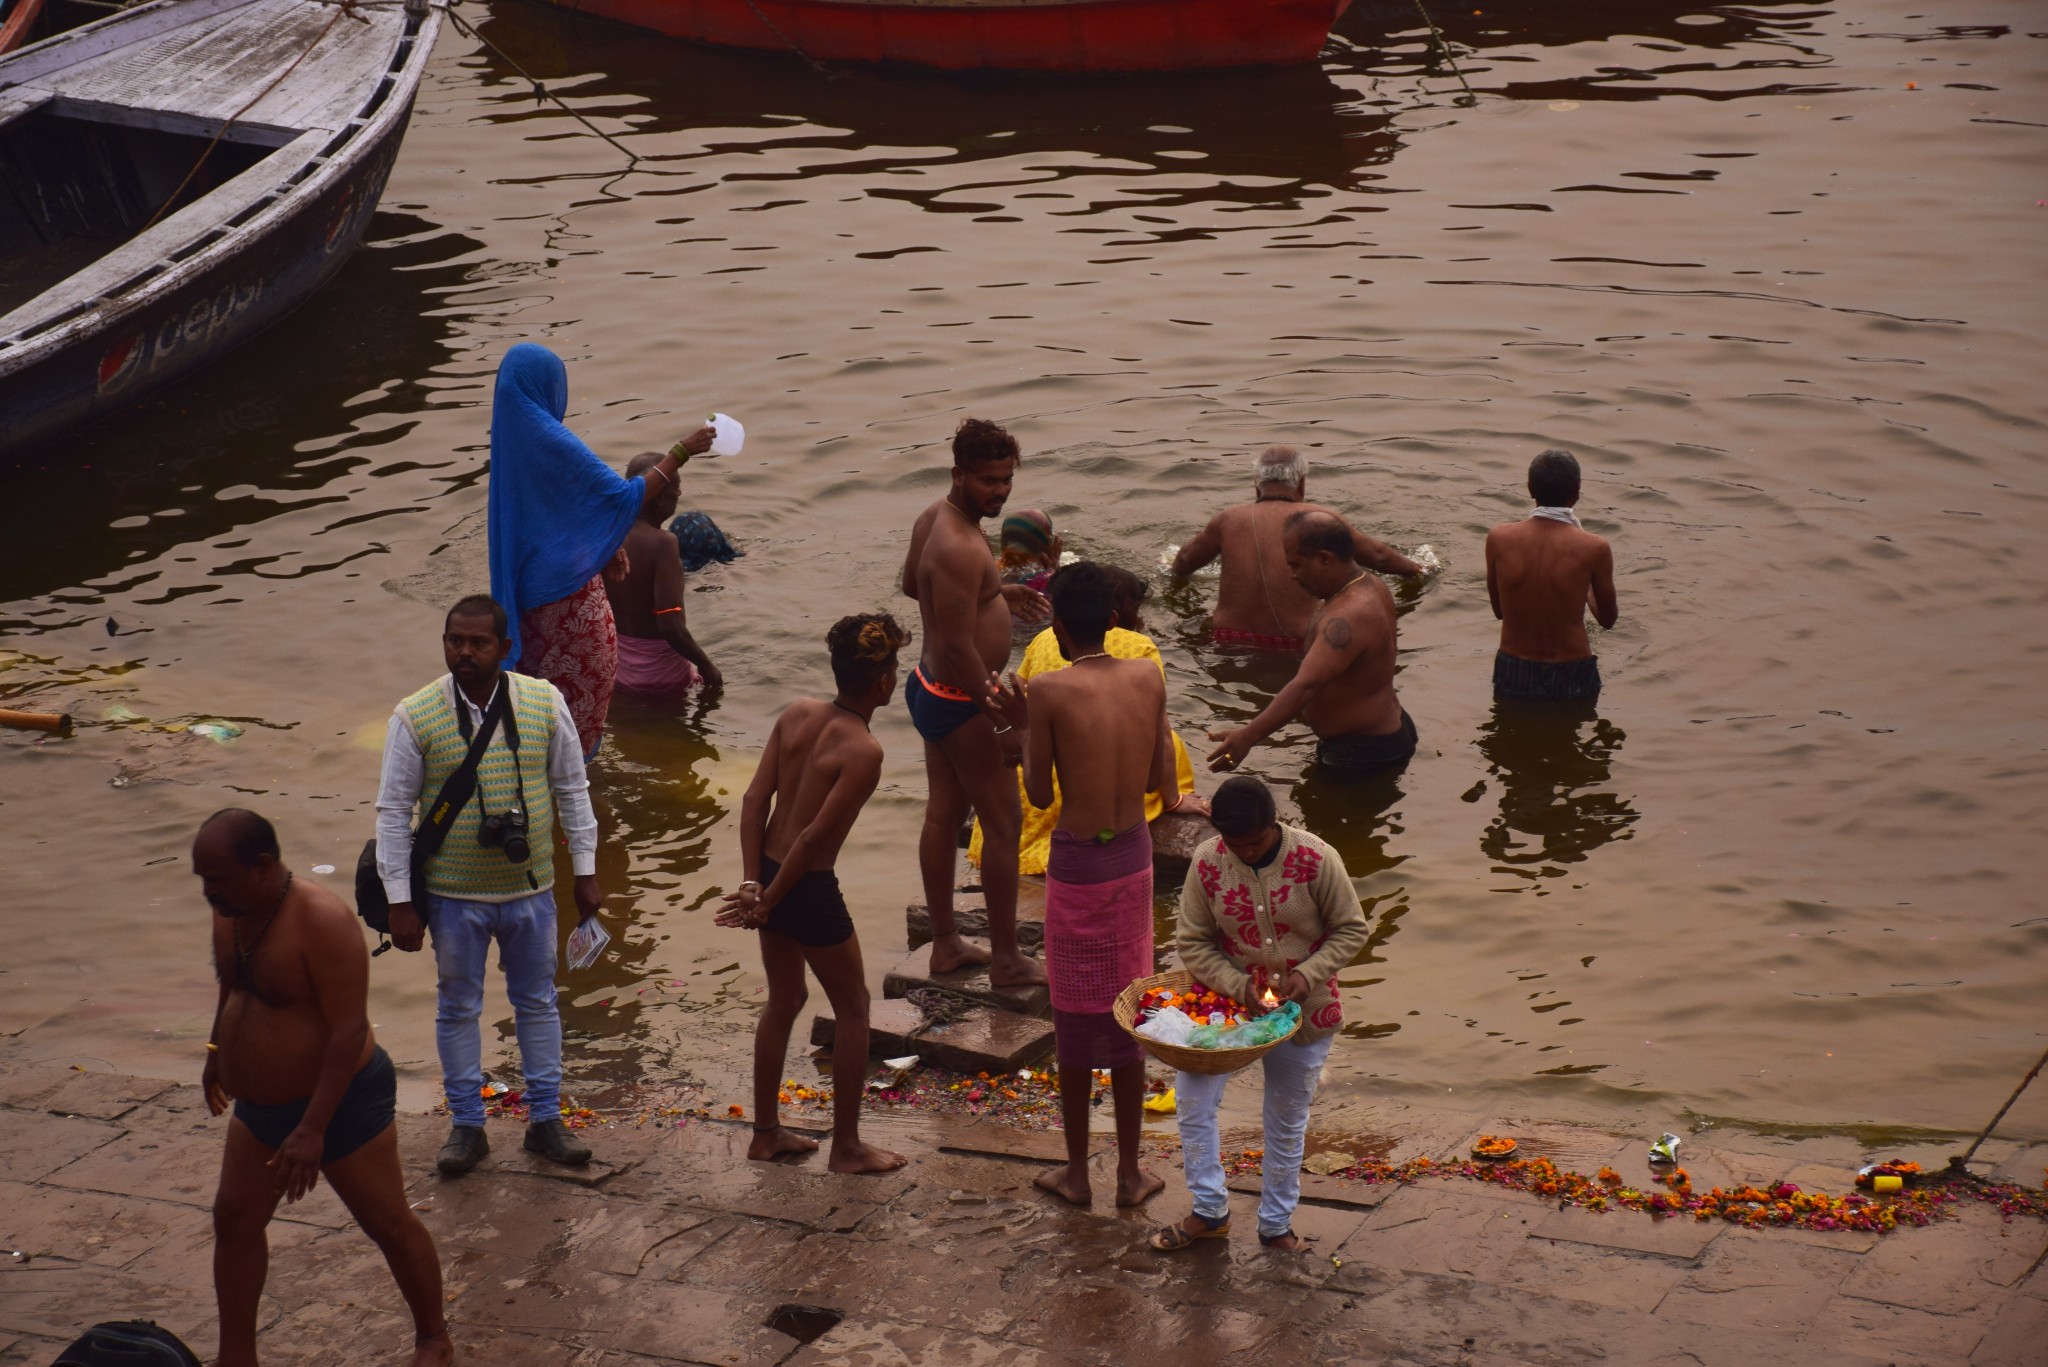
371	903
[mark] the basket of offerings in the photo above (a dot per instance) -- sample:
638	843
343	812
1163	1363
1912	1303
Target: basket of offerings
1178	988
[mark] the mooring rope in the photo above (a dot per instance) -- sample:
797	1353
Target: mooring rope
1445	48
1959	1164
540	91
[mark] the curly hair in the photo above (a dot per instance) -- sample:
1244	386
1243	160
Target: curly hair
864	648
977	441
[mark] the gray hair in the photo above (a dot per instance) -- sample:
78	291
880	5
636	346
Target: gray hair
1279	465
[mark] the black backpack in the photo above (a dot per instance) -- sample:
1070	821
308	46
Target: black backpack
127	1343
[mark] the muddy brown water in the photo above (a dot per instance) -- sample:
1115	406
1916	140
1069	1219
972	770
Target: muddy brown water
1772	271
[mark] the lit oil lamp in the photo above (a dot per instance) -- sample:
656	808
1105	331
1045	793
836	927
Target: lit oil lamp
1269	1001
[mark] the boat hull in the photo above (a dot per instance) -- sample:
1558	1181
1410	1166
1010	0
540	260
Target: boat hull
214	310
1085	36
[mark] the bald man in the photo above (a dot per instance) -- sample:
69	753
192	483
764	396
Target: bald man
1259	606
313	1094
1344	688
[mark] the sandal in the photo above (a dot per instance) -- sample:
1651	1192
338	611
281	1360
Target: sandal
1273	1240
1173	1238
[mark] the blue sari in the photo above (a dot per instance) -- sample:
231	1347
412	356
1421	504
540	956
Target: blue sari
557	514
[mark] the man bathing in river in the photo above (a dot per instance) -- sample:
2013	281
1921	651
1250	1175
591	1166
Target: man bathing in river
1344	688
1543	574
1258	606
820	767
964	606
657	653
313	1093
1100	724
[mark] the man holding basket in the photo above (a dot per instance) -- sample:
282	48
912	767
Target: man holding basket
1266	905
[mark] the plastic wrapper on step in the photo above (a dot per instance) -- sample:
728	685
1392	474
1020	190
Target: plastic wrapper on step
1168	1025
1274	1025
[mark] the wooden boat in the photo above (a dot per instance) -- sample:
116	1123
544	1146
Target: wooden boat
185	173
1005	35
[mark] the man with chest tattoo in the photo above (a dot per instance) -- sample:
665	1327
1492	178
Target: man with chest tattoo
313	1093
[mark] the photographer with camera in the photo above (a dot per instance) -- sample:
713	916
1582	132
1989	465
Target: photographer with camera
493	876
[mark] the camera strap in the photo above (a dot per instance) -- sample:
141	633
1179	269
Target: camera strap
460	785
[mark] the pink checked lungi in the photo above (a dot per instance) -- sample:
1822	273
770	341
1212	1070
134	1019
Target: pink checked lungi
1098	940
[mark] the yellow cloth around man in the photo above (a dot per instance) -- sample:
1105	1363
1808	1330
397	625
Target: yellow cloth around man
1042	656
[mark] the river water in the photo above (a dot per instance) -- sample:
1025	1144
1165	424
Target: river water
1772	271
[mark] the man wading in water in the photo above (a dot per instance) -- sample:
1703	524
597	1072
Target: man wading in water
1344	689
967	758
657	654
312	1092
1258	604
1542	575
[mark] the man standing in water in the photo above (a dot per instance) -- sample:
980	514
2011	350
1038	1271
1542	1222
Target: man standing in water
1344	688
493	878
657	654
312	1091
967	758
819	769
1542	575
1100	725
1258	605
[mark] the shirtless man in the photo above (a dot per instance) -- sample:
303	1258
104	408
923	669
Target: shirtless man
1258	606
657	654
820	767
1543	574
1100	725
312	1092
1344	689
965	608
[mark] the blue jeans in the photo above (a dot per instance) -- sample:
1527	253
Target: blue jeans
525	932
1292	1072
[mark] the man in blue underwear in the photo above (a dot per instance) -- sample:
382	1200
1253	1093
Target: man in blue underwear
1543	574
961	601
313	1093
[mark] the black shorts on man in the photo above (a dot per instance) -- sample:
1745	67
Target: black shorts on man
365	1111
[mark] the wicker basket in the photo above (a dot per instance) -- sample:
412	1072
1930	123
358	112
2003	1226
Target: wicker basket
1179	1056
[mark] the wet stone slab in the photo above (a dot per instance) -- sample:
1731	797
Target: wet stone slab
892	1022
71	1091
968	984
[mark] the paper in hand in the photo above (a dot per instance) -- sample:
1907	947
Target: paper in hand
587	942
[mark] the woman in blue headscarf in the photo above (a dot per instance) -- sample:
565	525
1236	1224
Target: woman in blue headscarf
558	516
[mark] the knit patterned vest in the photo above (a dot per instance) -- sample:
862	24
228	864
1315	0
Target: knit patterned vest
463	868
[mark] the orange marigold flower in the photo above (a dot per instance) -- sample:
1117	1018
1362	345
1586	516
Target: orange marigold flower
735	1111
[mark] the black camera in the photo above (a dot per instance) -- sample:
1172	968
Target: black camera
505	830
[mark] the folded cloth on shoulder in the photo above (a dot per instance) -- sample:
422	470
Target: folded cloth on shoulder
700	541
649	664
1368	754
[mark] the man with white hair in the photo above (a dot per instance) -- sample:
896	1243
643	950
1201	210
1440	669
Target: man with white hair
1258	604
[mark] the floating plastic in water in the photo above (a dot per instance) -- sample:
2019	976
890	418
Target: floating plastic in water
323	868
1665	1150
218	731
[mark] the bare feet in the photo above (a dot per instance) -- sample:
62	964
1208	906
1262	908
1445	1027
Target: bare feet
435	1350
1067	1184
1138	1187
956	951
1015	970
854	1156
770	1145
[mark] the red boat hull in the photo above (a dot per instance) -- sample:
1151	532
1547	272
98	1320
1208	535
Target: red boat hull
962	35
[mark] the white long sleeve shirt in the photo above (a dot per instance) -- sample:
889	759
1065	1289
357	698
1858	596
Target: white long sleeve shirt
398	795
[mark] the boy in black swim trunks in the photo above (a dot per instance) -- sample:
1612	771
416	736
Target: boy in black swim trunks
819	769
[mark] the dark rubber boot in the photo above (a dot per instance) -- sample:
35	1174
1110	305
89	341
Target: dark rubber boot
465	1149
551	1140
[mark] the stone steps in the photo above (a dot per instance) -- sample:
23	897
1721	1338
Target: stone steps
970	985
982	1040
